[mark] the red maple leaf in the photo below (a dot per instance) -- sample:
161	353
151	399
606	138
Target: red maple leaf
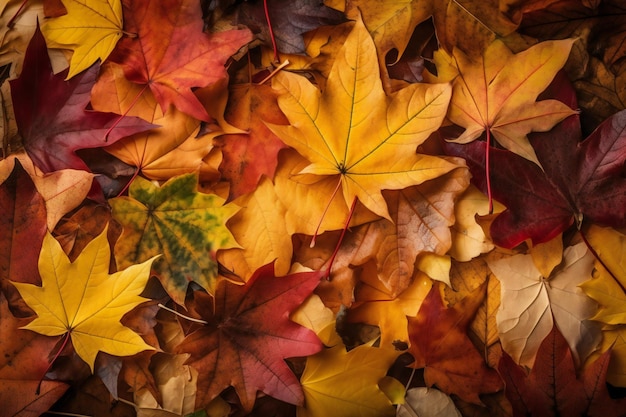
51	113
248	336
440	345
552	387
171	54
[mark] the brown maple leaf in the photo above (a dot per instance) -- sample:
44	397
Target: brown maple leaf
247	336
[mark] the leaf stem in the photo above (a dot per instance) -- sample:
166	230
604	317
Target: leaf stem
317	229
16	15
123	190
182	315
488	171
343	233
119	119
56	356
269	25
271	74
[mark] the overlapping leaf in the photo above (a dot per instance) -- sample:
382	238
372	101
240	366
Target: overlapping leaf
440	345
171	54
609	275
497	93
185	226
580	181
355	132
52	117
91	28
22	227
248	335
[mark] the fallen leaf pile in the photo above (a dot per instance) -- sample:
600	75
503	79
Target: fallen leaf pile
304	208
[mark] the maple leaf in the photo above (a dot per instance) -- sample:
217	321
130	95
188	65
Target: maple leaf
497	93
289	20
580	181
439	343
354	131
51	115
532	303
83	302
552	387
249	334
91	28
171	54
185	226
340	382
178	146
24	360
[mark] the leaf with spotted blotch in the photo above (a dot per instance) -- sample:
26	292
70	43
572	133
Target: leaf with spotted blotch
175	220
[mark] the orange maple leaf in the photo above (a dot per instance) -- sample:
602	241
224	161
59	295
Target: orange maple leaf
171	54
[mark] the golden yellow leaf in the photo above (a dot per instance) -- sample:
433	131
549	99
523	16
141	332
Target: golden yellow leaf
91	28
259	228
82	300
314	315
337	382
355	133
497	92
607	286
375	305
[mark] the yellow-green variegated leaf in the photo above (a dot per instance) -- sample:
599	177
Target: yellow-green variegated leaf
175	220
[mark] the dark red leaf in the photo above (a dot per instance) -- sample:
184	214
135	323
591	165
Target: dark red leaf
51	113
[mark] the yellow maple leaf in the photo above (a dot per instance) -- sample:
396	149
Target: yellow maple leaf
81	299
497	92
91	28
345	383
354	131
